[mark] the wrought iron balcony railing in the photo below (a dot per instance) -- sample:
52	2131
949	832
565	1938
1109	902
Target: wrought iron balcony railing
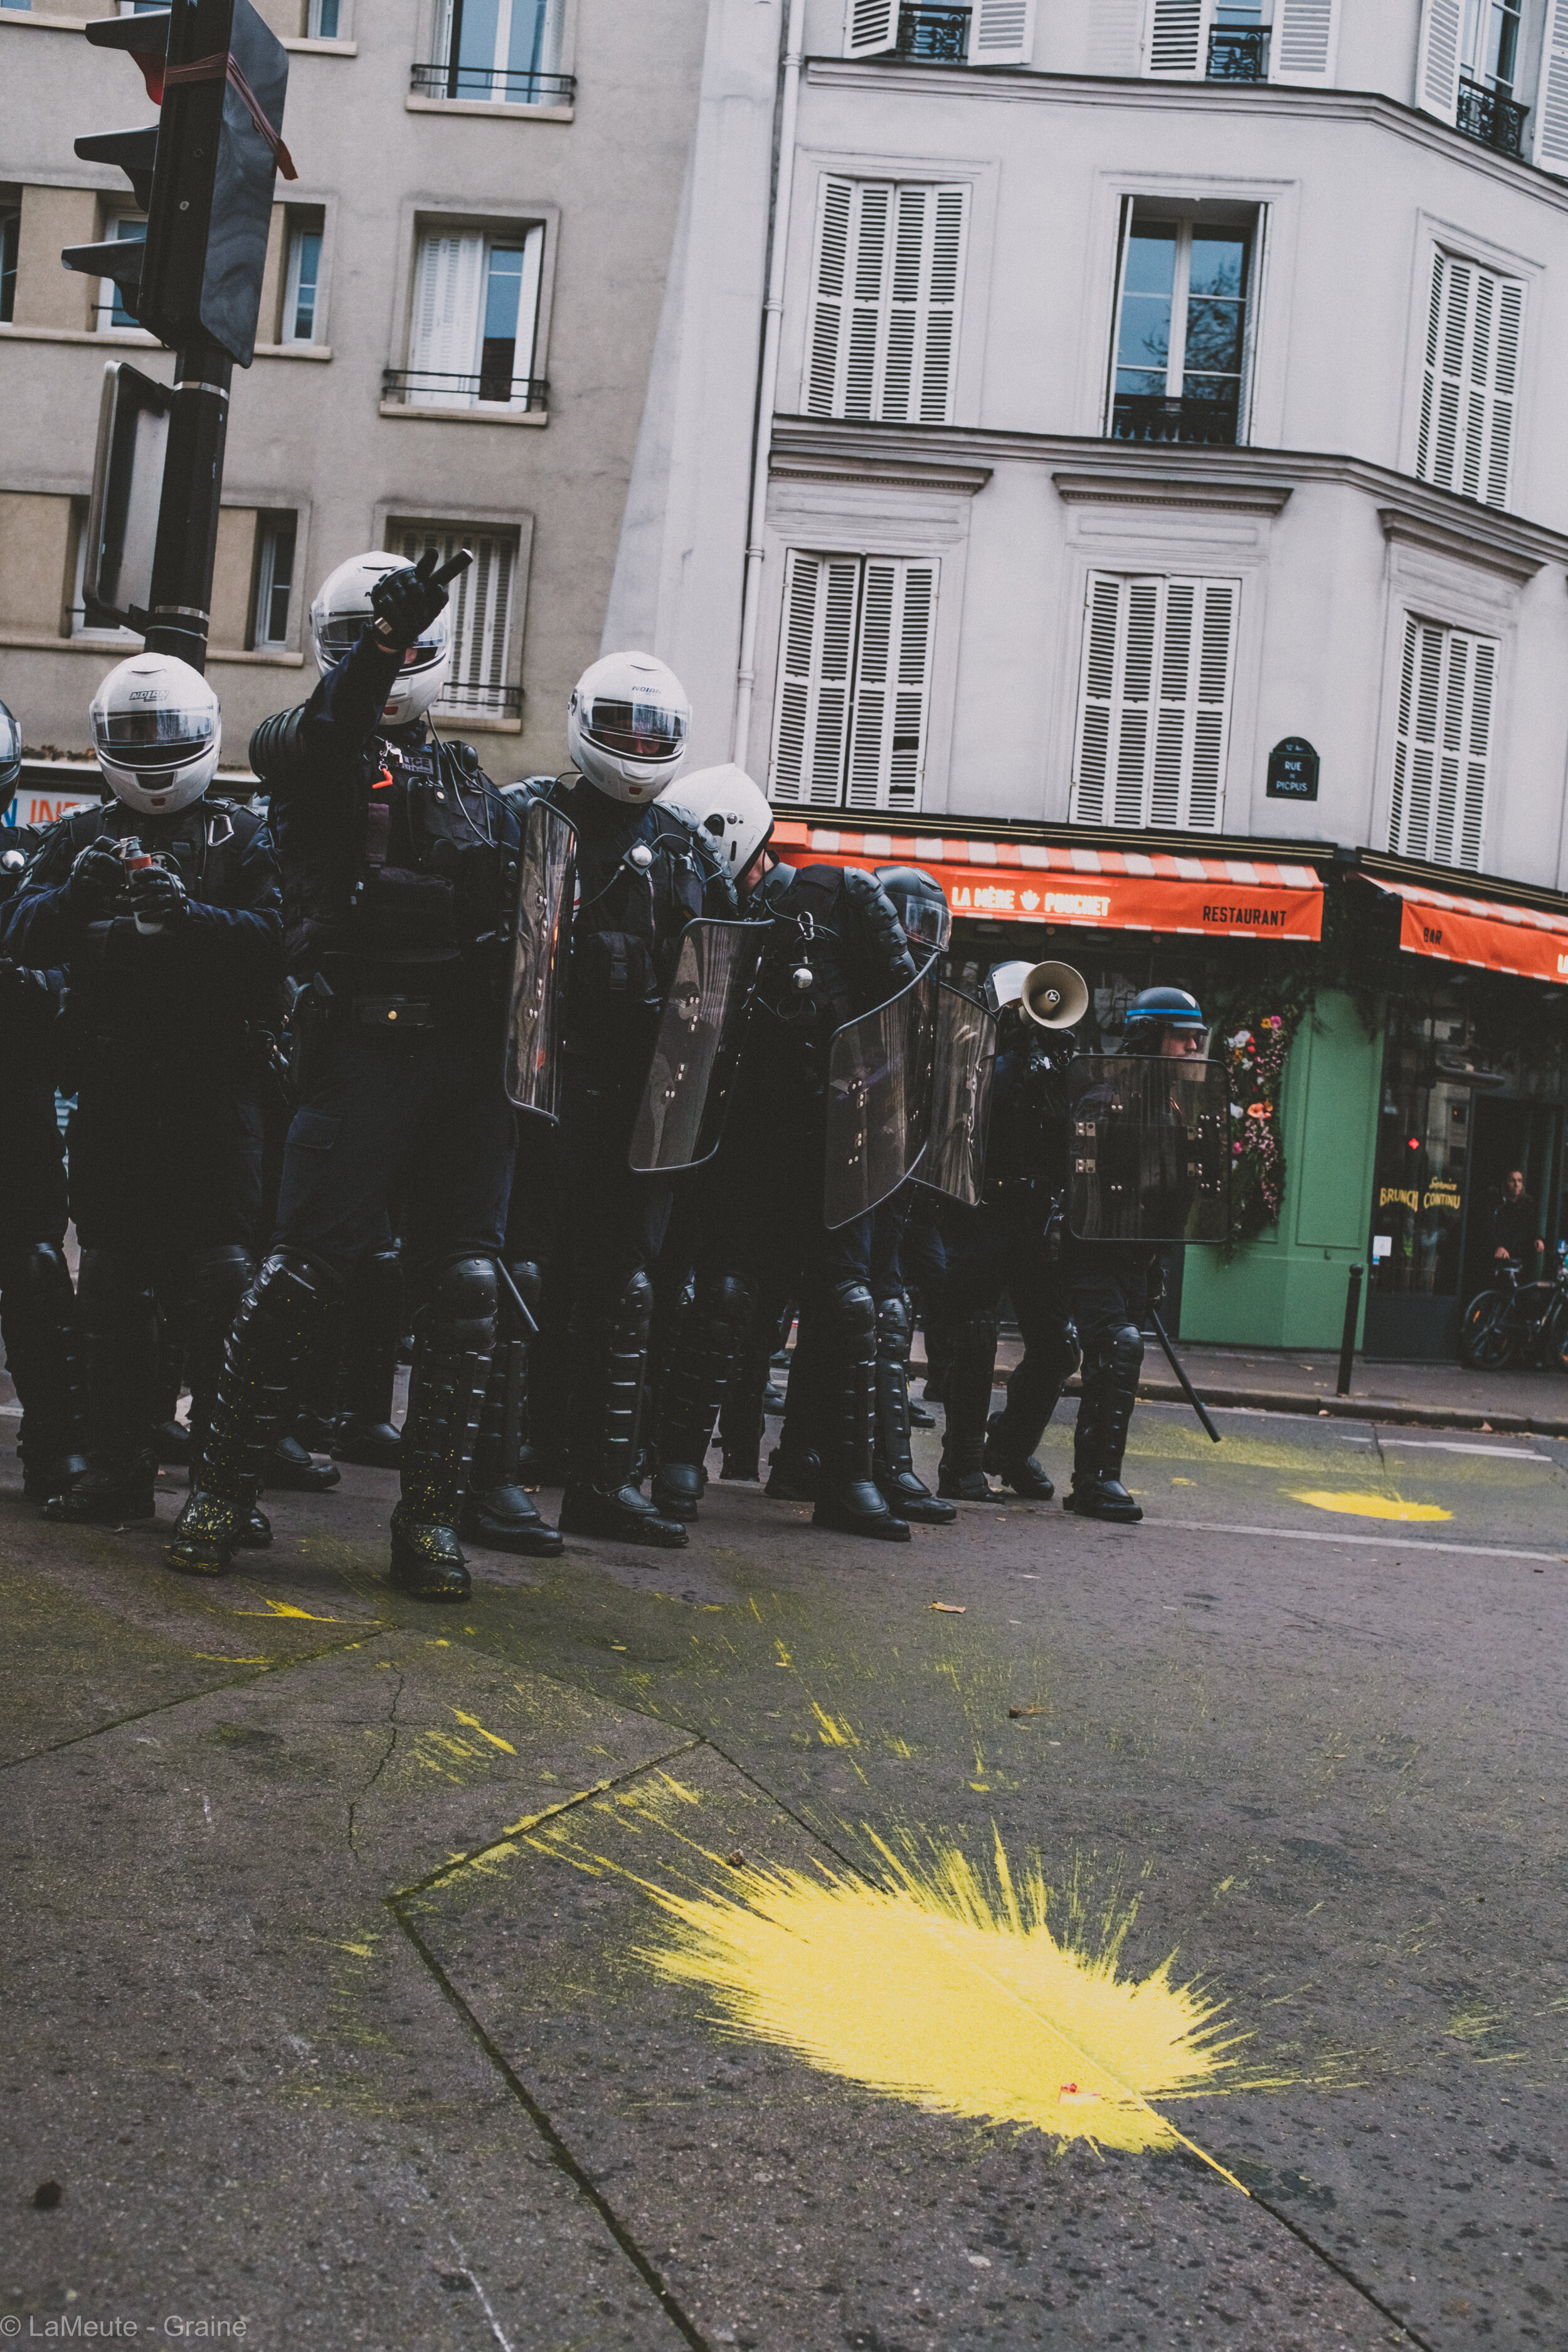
1487	115
453	80
1238	53
1145	416
431	388
500	701
933	34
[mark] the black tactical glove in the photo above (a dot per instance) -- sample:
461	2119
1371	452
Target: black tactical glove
405	602
154	894
96	876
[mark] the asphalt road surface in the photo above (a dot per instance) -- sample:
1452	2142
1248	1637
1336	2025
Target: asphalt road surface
650	1953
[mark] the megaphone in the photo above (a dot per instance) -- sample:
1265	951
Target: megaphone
1051	996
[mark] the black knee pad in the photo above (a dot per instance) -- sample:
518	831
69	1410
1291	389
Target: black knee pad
458	1295
37	1278
635	1300
726	1298
1121	1357
113	1287
217	1280
291	1277
852	1312
893	1329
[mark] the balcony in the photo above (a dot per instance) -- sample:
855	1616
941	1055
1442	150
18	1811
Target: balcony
930	35
430	388
1238	53
477	82
1487	116
496	701
1145	416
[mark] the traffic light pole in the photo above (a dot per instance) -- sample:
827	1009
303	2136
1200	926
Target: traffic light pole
180	605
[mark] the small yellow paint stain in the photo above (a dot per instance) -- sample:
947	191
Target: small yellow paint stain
833	1731
493	1736
943	1985
360	1951
1184	1482
221	1658
1367	1507
950	1608
287	1609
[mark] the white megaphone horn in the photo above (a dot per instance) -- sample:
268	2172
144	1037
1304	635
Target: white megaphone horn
1051	996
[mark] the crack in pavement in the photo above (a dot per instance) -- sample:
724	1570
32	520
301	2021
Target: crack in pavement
394	1727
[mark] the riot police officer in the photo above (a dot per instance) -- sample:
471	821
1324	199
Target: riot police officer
1004	1245
395	849
642	875
38	1305
836	948
1111	1292
164	910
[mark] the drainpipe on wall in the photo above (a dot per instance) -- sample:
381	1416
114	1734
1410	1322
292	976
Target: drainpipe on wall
767	381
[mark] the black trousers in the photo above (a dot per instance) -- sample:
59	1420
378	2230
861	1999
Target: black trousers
165	1163
33	1206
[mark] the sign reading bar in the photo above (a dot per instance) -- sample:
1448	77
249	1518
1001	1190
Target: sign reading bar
1292	770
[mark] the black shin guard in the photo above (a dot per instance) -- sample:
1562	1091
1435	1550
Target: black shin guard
848	1497
501	1512
609	1363
708	1346
38	1320
119	1344
893	1466
1104	1414
453	1340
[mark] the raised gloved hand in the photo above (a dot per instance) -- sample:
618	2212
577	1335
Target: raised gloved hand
405	602
96	876
154	894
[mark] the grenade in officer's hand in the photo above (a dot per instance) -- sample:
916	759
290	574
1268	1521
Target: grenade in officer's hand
96	876
404	603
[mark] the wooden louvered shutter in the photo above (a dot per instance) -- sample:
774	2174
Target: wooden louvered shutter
1301	48
1155	710
870	27
1002	33
478	616
892	675
1470	380
1551	112
447	295
1447	685
1437	57
1178	37
827	297
884	320
916	373
817	654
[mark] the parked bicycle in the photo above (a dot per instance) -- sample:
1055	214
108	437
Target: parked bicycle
1513	1321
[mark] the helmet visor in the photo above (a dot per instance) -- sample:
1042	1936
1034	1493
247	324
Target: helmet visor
152	739
634	730
10	741
926	922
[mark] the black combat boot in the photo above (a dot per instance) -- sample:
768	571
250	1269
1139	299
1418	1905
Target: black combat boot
293	1469
710	1342
217	1280
38	1317
1034	1387
609	1361
848	1499
500	1512
893	1466
277	1317
119	1352
1104	1415
966	1398
454	1339
366	1432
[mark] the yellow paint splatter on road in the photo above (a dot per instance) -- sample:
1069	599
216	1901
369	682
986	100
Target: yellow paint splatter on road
832	1730
493	1736
1368	1507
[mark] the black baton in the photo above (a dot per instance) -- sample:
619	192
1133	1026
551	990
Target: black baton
529	1323
1191	1393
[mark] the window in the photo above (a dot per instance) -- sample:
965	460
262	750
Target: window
1469	380
884	318
275	539
1180	366
479	615
1155	710
854	681
986	33
10	237
476	310
1489	51
1465	66
300	285
324	19
504	50
1243	40
1446	692
112	311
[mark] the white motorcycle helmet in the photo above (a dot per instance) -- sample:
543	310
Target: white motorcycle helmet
625	726
156	729
727	809
340	616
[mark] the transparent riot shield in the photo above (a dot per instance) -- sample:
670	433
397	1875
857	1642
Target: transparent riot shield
536	1007
706	1008
1150	1149
963	1065
878	1101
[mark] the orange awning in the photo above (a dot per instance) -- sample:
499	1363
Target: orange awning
1094	889
1525	940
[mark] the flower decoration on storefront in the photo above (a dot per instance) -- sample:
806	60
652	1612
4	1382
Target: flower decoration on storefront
1255	1054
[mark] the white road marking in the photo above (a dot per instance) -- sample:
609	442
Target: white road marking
1451	1445
1373	1543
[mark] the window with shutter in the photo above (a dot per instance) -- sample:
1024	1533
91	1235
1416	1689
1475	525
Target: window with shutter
884	313
1002	33
1551	149
871	26
1447	688
1177	35
476	312
854	681
1437	57
1469	379
1154	709
478	616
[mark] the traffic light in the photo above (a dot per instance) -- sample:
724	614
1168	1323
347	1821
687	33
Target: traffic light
203	171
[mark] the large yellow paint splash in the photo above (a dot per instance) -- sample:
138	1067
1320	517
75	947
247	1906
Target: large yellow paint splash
1368	1507
947	1987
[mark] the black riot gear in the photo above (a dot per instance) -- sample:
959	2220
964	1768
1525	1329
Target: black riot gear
396	852
921	904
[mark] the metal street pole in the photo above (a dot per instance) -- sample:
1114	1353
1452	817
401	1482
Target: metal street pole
180	604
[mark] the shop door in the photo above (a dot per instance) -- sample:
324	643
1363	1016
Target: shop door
1506	1134
1419	1191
